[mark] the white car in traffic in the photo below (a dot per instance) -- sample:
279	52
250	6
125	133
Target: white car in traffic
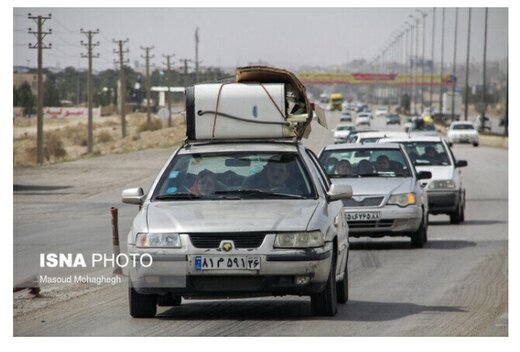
446	191
363	118
342	132
462	132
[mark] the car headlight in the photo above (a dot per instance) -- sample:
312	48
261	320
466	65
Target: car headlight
442	184
299	240
154	240
402	199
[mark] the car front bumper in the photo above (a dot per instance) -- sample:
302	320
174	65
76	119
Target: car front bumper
442	202
393	221
173	271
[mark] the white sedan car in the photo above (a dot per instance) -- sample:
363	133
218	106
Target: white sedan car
363	118
462	132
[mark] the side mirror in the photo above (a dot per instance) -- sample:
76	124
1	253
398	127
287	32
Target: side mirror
133	196
338	191
461	163
424	175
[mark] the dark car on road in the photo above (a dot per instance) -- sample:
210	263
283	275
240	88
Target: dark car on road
392	119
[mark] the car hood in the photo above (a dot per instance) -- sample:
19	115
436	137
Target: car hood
438	172
377	185
230	215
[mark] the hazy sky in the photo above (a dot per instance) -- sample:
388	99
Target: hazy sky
286	37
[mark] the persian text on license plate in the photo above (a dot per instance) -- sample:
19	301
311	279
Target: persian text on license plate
364	216
236	262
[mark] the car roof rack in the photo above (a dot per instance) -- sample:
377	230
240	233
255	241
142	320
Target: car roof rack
263	104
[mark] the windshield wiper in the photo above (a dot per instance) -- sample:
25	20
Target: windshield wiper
177	196
257	192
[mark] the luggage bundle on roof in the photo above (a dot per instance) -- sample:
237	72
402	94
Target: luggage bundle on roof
262	103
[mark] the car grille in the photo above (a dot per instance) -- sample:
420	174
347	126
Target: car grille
241	239
374	224
367	202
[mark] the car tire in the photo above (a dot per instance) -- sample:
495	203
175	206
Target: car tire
475	144
141	306
325	303
455	217
450	144
342	286
426	228
418	236
169	301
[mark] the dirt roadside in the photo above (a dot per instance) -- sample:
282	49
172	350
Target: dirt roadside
65	139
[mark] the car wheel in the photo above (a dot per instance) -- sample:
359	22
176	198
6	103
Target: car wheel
342	286
450	144
475	144
325	302
169	300
455	217
141	306
463	210
418	236
426	228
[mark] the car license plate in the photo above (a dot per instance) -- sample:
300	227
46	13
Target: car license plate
236	262
364	216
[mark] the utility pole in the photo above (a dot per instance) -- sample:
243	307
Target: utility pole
432	67
147	58
424	14
484	72
466	86
185	70
454	65
89	45
442	62
122	82
197	55
40	34
169	82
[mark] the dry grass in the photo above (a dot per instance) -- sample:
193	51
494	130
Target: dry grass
67	139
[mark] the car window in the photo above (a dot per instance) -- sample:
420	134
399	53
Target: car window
232	175
344	163
427	153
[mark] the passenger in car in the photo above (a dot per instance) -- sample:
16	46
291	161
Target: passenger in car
331	164
275	178
205	184
344	168
365	168
383	164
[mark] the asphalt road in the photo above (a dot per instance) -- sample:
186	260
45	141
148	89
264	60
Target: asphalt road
455	286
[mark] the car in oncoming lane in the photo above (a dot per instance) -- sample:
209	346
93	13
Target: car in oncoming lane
388	199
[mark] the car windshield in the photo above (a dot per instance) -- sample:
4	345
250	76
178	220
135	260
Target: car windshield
427	153
377	162
462	127
252	175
